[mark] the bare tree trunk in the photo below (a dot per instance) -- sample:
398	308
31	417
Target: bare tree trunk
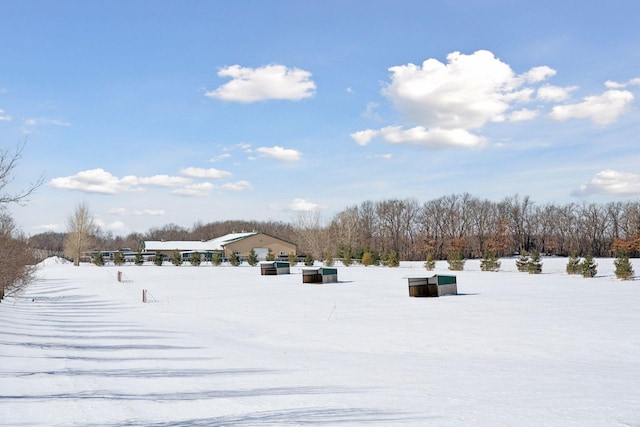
81	230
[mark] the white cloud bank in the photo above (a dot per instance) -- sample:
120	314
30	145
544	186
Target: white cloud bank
211	173
448	103
260	84
602	109
610	182
302	205
280	153
103	182
137	212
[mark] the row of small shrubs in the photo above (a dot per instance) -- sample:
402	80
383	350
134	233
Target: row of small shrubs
525	263
532	264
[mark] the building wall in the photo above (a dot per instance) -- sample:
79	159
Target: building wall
245	245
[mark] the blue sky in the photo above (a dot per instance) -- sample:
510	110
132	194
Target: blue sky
158	112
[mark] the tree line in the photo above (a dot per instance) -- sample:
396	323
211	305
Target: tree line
16	257
457	224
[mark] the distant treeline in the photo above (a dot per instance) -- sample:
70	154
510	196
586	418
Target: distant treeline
457	223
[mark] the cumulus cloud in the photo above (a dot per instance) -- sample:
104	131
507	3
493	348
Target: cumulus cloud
447	101
521	115
103	182
200	189
210	173
92	181
466	93
611	182
302	205
538	74
550	93
364	137
237	186
434	137
137	212
280	153
4	117
602	109
615	85
263	83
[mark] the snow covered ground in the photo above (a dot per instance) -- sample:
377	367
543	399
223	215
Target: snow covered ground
225	346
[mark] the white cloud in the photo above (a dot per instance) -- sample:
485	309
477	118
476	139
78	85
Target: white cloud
612	183
220	157
200	189
4	117
51	227
137	212
92	181
210	173
446	102
538	74
522	115
280	153
600	109
268	82
615	85
436	137
103	182
364	137
550	93
386	156
45	122
466	93
302	205
237	186
160	180
370	111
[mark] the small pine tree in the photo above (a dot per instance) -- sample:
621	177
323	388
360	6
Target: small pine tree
270	256
98	259
522	263
216	258
308	260
157	259
253	258
534	266
195	259
588	267
490	262
347	258
293	259
624	269
392	260
456	262
118	258
139	260
573	265
367	259
176	258
430	262
234	259
328	260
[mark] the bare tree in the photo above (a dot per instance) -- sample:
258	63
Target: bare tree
81	231
16	258
8	162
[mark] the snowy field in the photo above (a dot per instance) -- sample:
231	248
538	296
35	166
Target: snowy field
225	346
